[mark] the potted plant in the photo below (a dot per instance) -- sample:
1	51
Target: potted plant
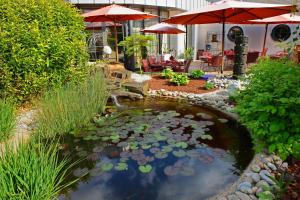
134	46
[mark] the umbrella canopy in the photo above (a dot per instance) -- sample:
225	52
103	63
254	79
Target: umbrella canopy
115	13
163	28
229	11
281	19
99	25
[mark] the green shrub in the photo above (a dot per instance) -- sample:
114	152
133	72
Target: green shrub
167	73
69	108
42	45
270	107
209	85
197	73
179	79
31	172
7	119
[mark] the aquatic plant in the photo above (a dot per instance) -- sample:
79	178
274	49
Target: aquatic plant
68	108
7	119
145	168
32	171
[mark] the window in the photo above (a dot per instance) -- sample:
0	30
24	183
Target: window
233	31
281	33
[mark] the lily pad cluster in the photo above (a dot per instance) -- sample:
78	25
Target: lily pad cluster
146	135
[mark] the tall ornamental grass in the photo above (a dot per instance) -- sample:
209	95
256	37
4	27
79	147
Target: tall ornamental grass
7	119
68	108
31	172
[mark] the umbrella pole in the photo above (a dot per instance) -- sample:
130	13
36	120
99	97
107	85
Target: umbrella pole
116	41
223	46
265	38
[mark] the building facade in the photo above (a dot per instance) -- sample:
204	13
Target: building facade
198	36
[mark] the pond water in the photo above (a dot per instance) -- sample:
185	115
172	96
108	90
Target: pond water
156	149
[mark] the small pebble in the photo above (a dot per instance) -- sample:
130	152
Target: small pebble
272	166
255	168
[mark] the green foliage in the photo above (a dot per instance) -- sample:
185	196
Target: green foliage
270	107
188	54
209	85
42	45
70	107
179	79
7	119
134	45
197	73
31	172
167	73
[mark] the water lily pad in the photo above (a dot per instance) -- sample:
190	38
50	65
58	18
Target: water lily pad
145	168
124	159
82	154
80	172
187	171
121	166
96	172
189	116
93	156
105	138
154	150
167	149
183	145
146	146
161	155
133	145
115	137
206	137
107	167
179	153
97	149
171	170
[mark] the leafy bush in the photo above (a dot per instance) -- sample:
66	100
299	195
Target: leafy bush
270	107
31	172
7	119
68	108
209	85
197	73
179	79
167	73
42	44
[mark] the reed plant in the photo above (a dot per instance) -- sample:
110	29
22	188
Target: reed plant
32	172
68	108
7	119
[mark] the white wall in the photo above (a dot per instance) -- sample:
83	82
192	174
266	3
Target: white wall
255	33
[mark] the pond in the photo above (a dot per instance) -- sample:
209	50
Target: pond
156	149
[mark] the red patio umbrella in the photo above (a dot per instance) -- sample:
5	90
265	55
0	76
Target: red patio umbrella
281	19
163	28
115	13
229	11
99	25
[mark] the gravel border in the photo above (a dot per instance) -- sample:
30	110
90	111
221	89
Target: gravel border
255	179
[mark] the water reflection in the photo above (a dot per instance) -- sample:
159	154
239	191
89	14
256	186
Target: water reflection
208	167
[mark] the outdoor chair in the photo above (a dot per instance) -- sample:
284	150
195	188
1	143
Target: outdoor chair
216	61
145	66
252	57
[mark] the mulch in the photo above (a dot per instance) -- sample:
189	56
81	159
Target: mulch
194	86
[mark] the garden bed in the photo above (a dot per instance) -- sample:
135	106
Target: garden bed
194	86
